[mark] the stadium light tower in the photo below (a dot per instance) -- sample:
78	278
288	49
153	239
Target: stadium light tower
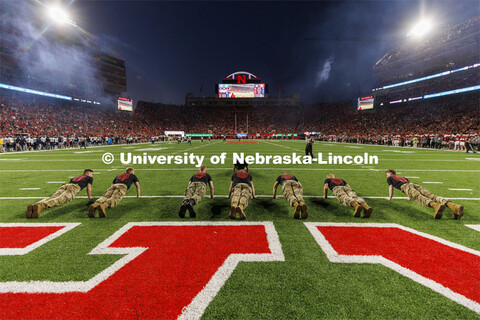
420	29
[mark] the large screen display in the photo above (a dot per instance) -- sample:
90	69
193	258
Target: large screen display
248	90
125	104
365	103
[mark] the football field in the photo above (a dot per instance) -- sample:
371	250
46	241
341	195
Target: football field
401	264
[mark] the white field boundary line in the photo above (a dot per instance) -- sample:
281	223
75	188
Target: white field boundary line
279	145
21	251
279	168
475	227
201	301
334	256
224	196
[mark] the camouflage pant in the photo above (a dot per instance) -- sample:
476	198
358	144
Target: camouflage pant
241	195
292	191
346	195
195	191
113	195
64	194
421	195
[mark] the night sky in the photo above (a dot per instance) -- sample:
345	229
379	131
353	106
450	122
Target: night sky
325	50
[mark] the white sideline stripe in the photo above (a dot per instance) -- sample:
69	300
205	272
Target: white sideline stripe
412	177
56	181
333	256
223	196
432	182
29	189
198	305
279	145
21	251
230	168
9	159
399	151
455	189
474	226
474	159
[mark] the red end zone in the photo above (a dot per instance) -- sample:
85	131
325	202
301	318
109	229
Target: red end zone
171	270
21	237
241	142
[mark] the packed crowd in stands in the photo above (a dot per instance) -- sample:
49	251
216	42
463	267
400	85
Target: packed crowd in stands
39	125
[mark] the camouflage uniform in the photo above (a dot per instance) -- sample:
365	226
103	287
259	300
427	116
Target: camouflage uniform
242	193
292	191
421	195
113	195
195	191
346	195
64	194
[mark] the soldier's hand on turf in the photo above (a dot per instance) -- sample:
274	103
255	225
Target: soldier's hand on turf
325	197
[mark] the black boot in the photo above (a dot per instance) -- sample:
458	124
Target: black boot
190	205
183	209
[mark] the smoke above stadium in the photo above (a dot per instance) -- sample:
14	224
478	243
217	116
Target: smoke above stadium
51	57
324	72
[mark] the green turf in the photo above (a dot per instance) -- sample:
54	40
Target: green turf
306	285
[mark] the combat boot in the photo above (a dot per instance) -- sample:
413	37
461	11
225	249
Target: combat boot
438	209
241	213
28	213
304	210
183	209
190	205
358	209
91	210
298	209
37	208
367	210
102	210
233	212
456	209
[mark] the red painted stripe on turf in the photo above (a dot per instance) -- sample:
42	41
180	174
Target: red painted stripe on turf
22	237
453	268
159	283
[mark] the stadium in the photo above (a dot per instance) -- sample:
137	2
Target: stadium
378	212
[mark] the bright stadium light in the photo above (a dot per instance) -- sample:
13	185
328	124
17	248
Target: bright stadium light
60	16
420	29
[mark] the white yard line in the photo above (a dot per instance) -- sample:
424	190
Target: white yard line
456	189
24	189
433	182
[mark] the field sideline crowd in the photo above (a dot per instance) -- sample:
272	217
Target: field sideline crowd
447	123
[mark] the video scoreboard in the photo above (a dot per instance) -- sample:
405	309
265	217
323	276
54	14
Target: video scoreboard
125	104
244	90
365	103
